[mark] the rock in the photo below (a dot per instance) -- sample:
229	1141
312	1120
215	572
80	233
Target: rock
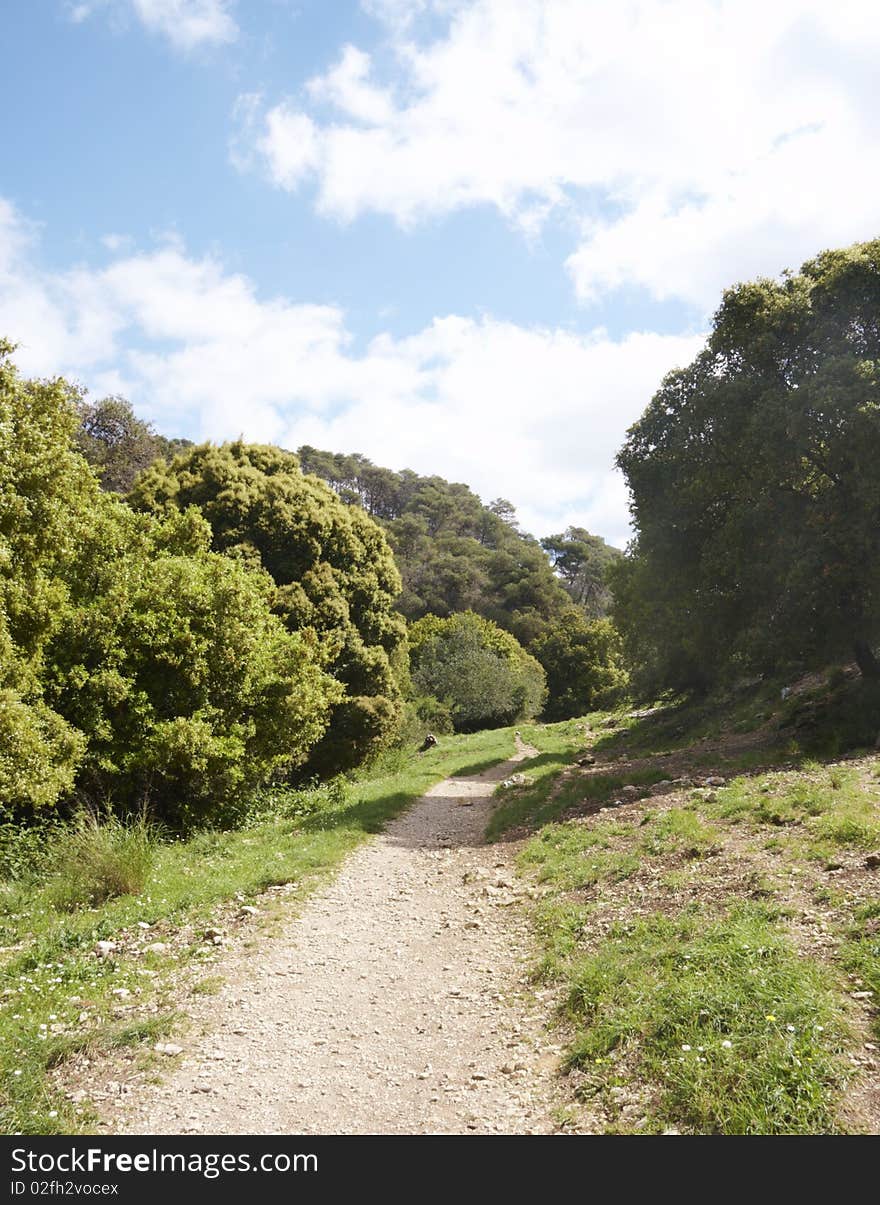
169	1048
586	760
155	947
122	992
715	781
872	861
249	910
214	936
103	949
515	780
630	791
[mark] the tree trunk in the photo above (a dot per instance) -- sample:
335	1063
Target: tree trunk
865	659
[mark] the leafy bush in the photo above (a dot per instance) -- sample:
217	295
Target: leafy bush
583	661
480	673
97	858
135	664
333	569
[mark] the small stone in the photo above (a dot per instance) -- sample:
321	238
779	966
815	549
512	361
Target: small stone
872	861
169	1048
249	910
155	947
715	781
104	949
122	992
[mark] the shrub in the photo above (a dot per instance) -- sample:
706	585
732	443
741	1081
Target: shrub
583	661
331	564
135	663
481	674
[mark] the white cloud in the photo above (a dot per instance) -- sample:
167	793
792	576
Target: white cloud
185	23
716	138
535	415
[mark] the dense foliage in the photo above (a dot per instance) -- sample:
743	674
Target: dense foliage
582	560
479	672
335	577
583	661
454	553
755	481
136	665
119	445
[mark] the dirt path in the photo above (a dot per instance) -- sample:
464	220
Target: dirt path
396	1002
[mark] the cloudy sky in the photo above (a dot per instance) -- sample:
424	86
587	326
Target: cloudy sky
462	236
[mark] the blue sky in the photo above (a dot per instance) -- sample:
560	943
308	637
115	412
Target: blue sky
463	236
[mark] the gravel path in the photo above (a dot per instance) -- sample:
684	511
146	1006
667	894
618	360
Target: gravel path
395	1002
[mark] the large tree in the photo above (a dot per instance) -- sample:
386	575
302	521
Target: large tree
581	561
118	444
755	482
335	575
136	666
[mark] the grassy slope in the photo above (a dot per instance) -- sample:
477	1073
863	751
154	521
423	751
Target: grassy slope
716	948
58	999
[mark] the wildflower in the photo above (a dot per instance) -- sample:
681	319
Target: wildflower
685	1047
790	1028
770	1017
726	1044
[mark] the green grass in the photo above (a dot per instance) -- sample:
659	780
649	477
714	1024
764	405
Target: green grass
695	995
573	857
542	798
860	954
734	1031
57	997
97	858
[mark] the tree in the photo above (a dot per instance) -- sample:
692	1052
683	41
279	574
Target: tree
755	484
118	444
582	561
477	670
454	553
136	666
334	573
583	660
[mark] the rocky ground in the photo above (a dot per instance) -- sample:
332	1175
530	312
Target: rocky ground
395	1001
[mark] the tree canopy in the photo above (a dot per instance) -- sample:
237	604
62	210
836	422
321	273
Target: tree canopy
756	488
475	669
119	445
137	666
454	553
582	561
336	582
583	661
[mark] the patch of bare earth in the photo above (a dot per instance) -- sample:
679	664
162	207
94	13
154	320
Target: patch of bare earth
395	1001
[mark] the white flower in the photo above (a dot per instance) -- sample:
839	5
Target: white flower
685	1046
726	1044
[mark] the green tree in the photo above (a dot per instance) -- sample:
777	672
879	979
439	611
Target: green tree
454	553
583	660
474	668
755	485
334	574
119	445
582	561
135	664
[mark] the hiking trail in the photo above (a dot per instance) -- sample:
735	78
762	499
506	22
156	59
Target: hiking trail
396	1000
